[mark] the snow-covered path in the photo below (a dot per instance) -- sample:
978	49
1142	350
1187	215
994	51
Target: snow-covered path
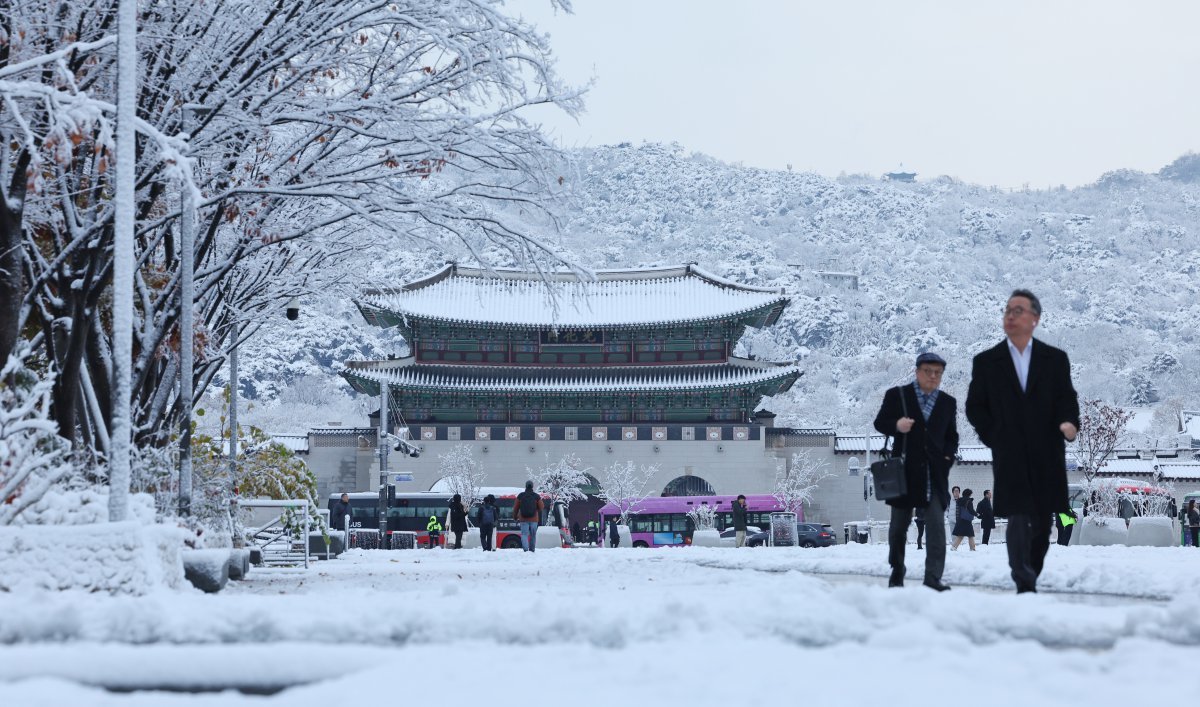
695	625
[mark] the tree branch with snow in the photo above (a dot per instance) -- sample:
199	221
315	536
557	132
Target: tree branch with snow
625	484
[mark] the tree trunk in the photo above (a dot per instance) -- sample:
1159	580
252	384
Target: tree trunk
12	282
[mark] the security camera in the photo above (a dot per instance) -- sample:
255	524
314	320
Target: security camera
293	309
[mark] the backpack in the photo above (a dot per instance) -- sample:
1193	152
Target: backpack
529	507
964	512
487	515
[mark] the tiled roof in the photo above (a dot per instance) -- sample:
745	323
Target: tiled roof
407	373
293	442
974	455
857	443
610	298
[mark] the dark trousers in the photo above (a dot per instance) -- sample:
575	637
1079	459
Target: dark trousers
457	539
935	545
1064	534
920	521
485	536
1028	542
433	539
987	535
1195	537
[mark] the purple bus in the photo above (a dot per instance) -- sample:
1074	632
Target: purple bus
663	521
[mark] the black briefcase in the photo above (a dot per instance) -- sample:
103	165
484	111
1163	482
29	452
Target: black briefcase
890	481
888	473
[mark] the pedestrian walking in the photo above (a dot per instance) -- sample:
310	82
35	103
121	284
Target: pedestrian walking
1023	406
458	519
1065	523
1193	518
739	521
921	419
1125	509
919	520
434	528
964	521
576	533
527	509
987	519
486	520
614	535
341	509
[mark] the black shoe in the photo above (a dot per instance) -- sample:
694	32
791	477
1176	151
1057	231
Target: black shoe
1026	590
937	585
896	580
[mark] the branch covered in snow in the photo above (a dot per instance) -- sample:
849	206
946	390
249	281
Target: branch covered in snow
625	485
32	455
462	473
797	479
562	480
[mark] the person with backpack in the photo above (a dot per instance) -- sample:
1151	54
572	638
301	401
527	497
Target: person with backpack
435	531
527	509
458	520
486	519
964	515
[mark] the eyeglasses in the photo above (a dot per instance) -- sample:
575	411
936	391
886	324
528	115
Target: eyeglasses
1016	311
931	372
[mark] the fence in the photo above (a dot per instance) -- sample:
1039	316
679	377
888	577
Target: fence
277	541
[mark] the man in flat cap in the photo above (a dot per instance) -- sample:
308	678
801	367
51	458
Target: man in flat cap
921	418
1022	404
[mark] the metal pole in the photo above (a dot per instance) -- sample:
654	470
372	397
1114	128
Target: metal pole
384	419
187	268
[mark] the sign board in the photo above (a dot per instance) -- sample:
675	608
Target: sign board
397	478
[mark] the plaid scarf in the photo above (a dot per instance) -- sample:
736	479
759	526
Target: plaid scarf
927	401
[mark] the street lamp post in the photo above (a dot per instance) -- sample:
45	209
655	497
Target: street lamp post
384	415
187	298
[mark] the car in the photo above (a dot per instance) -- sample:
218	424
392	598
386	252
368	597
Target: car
807	535
729	536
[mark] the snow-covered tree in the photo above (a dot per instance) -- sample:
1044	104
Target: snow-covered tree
325	128
561	480
797	479
32	455
625	485
462	473
704	516
1100	429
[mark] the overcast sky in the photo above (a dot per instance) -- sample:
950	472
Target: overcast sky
1007	93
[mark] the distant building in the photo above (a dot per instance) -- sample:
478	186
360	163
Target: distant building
900	176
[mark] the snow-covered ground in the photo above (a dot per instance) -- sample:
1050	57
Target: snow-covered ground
697	626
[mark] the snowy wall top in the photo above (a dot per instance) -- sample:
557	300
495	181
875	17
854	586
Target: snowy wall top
605	298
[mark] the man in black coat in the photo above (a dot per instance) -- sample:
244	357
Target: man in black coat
337	515
1022	404
987	518
923	424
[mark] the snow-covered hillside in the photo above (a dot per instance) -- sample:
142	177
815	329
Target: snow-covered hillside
1115	264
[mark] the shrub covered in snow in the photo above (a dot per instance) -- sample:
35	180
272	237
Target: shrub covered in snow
32	455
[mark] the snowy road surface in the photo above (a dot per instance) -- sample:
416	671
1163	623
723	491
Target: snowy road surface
696	626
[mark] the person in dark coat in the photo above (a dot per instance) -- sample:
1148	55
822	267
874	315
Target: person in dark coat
341	509
924	428
964	517
739	521
1023	406
987	519
614	536
1193	521
486	519
458	520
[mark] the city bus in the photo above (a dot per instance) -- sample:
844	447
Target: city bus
662	522
410	512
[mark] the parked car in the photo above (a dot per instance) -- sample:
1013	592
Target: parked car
729	538
807	535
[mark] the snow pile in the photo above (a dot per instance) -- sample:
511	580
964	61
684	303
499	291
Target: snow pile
114	558
87	505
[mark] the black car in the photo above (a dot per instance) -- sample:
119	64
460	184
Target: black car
807	535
